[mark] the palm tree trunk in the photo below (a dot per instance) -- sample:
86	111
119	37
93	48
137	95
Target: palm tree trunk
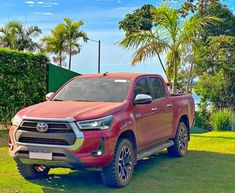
60	58
174	86
164	69
70	54
189	82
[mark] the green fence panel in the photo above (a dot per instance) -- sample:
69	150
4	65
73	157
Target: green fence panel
57	76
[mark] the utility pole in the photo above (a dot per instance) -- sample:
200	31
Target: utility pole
99	56
99	53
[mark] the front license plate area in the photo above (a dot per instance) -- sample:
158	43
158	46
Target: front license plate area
40	155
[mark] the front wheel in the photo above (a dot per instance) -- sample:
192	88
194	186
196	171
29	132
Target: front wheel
119	173
32	171
180	147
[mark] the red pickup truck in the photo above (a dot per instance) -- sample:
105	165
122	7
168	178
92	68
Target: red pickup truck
105	122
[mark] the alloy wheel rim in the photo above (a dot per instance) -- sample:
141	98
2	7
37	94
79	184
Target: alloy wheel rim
183	139
125	163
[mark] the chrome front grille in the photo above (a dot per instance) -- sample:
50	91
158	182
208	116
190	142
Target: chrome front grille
53	127
58	133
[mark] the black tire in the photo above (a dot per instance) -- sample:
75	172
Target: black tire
180	147
30	172
120	172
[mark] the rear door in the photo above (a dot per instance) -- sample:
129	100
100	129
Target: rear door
144	116
164	114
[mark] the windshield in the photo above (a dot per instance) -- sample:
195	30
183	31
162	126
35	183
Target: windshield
94	90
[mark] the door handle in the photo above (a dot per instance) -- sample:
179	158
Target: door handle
169	105
154	109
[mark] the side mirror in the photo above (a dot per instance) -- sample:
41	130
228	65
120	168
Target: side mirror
142	99
49	95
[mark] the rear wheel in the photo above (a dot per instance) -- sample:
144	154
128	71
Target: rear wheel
180	147
119	173
32	171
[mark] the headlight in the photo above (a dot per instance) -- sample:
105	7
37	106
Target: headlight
16	120
102	123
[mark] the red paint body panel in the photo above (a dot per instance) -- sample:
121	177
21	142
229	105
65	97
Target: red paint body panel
148	127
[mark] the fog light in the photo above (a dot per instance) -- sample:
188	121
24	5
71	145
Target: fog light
100	150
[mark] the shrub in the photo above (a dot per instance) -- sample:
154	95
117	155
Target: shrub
222	120
23	81
201	121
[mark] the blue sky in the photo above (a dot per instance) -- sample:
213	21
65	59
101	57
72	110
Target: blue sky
101	19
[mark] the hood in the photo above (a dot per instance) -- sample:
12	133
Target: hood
73	109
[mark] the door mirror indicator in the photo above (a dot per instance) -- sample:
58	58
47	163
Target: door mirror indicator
142	99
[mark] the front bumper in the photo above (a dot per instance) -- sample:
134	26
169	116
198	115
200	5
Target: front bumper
81	155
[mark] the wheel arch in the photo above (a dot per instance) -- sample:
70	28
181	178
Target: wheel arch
130	135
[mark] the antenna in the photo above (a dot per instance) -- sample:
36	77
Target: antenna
105	74
26	16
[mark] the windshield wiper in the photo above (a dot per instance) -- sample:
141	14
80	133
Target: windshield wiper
58	100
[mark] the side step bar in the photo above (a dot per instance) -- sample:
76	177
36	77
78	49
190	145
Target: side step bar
154	149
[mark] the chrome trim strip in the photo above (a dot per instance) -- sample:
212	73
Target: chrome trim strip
79	134
67	119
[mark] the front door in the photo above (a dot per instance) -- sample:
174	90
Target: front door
145	116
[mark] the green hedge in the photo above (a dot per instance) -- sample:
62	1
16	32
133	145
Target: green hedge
23	81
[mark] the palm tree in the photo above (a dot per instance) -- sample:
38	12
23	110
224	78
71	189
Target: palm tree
15	36
73	34
147	44
171	34
9	34
56	42
27	37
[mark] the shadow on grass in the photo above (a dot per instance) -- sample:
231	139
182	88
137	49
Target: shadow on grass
161	173
214	137
198	130
3	138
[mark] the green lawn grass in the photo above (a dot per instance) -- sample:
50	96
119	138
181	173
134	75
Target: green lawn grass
209	167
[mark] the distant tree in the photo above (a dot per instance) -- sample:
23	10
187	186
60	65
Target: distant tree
226	26
55	43
15	36
73	34
196	6
140	19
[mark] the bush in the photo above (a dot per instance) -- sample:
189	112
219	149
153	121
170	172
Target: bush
201	121
23	81
222	120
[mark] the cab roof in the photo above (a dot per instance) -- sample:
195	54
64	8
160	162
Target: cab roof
124	75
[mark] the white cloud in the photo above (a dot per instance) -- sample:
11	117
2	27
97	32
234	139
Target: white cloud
54	3
30	2
40	2
43	13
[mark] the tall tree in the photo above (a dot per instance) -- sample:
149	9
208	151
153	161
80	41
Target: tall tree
55	43
216	67
170	33
226	26
16	36
138	29
73	34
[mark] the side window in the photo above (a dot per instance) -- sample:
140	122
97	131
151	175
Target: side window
158	89
141	87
